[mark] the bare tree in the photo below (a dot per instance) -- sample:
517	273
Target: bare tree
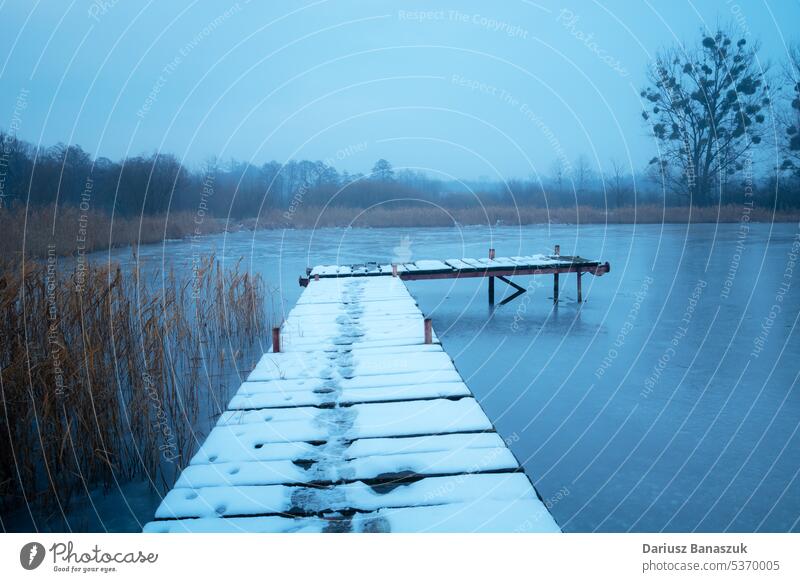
791	144
557	175
705	109
582	174
382	171
617	180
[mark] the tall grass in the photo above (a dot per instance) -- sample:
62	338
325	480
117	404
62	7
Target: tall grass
104	374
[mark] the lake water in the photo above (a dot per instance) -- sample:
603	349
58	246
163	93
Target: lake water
666	401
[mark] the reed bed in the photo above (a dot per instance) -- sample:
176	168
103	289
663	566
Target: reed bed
105	375
34	232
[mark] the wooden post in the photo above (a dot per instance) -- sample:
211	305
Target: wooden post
555	288
557	253
580	294
276	339
491	280
394	270
428	331
316	277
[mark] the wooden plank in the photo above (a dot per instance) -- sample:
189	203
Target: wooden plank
357	421
474	263
458	264
487	516
367	308
279	499
325	395
356	383
433	266
499	262
298	450
349	364
379	467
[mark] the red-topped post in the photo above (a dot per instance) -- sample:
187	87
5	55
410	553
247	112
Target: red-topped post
276	339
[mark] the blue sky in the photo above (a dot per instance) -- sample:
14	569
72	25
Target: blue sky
463	89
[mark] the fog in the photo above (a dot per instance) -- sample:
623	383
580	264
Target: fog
453	89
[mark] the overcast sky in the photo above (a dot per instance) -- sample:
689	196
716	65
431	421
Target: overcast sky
466	89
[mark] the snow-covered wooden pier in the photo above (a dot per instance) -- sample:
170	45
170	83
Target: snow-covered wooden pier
360	422
492	267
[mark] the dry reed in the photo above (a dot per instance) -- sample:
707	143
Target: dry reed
104	375
33	232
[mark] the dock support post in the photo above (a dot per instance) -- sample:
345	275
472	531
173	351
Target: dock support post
555	288
491	279
428	331
316	277
276	339
394	270
580	293
557	253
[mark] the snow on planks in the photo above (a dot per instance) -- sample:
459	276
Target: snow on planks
421	269
358	425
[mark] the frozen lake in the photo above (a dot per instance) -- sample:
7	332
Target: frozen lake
666	401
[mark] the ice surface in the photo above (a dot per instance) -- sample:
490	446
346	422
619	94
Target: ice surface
624	462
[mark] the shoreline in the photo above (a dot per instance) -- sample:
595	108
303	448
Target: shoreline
77	234
425	216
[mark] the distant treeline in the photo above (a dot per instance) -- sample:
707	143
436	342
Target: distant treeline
68	176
